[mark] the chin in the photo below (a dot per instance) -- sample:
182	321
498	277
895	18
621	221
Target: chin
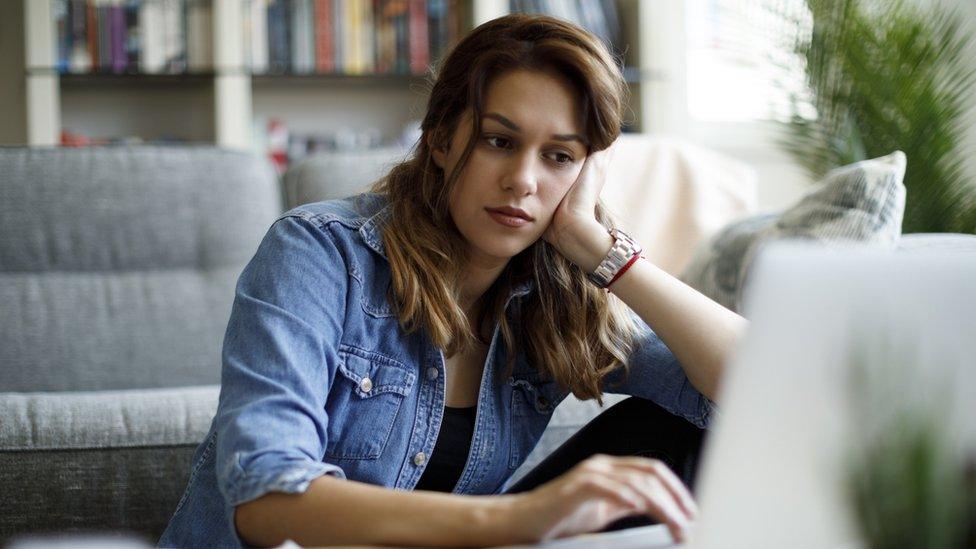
501	250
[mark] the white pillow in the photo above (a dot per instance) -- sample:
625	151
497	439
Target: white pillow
860	203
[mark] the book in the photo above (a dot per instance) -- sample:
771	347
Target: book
339	35
62	20
174	35
278	36
401	27
199	35
302	37
324	37
152	59
133	38
368	36
117	38
79	58
419	46
437	28
103	35
91	24
384	12
279	42
258	36
352	47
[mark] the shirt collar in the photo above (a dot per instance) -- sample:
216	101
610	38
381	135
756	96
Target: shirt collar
372	230
372	233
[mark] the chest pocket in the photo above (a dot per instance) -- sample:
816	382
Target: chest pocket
364	403
533	402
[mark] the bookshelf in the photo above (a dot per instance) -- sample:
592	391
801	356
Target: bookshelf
230	107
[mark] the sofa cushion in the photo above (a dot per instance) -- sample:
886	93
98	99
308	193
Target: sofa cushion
329	175
860	203
98	461
102	209
118	264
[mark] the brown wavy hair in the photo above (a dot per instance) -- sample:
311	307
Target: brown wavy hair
568	329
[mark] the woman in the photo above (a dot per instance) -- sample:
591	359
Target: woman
418	337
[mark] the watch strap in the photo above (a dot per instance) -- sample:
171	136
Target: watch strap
621	253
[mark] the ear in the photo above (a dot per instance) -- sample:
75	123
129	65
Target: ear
437	152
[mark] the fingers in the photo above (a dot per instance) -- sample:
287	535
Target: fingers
657	501
617	492
662	494
668	477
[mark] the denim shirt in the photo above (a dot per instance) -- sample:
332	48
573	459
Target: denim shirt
318	378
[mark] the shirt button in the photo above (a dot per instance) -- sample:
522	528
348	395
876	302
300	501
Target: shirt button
419	459
366	385
432	373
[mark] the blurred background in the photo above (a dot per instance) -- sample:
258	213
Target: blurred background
118	261
749	78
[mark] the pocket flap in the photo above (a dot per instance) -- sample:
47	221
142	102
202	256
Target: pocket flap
374	374
542	397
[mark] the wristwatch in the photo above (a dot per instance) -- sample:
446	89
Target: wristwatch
623	250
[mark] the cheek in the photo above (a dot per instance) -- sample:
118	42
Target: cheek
562	183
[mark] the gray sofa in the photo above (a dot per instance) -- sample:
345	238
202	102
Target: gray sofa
117	270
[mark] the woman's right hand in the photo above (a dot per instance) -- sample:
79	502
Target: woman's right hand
600	490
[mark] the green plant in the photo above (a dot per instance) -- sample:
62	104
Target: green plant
908	485
886	75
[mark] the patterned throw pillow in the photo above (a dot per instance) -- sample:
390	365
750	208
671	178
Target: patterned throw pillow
859	203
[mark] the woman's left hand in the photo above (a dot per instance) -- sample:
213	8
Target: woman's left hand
574	229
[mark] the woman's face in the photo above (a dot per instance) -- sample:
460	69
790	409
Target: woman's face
527	157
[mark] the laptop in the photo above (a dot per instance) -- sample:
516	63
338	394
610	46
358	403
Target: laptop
792	416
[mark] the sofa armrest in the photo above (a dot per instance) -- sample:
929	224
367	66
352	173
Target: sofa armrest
98	460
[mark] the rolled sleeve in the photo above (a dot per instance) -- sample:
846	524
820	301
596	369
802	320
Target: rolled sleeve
278	363
656	375
283	475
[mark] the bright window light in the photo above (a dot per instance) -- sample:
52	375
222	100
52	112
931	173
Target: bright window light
741	64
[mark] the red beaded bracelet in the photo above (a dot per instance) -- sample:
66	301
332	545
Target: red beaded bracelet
623	270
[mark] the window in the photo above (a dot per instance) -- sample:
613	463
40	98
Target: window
740	61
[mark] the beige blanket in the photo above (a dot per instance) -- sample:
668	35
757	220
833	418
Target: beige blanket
669	194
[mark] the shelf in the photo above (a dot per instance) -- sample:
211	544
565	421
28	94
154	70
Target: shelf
136	79
631	75
150	109
229	105
316	79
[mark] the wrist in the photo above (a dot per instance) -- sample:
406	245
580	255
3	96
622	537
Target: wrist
587	245
510	520
624	253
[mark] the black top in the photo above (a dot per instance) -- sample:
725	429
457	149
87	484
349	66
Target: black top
450	451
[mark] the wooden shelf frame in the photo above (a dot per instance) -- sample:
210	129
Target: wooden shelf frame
650	75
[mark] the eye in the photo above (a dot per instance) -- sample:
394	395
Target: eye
497	142
562	158
500	142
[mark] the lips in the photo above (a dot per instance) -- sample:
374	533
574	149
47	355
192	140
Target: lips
512	212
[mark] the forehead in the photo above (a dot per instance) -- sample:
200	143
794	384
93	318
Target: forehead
540	100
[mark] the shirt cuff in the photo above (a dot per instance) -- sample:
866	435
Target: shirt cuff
292	478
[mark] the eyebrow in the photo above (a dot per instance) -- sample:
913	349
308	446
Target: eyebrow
514	127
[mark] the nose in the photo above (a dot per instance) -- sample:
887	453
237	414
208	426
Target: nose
521	177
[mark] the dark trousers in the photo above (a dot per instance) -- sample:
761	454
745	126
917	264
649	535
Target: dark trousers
633	427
